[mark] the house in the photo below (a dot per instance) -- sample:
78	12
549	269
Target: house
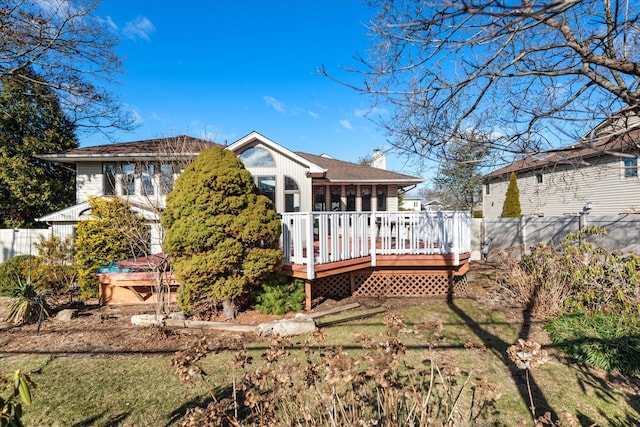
143	172
339	218
411	203
597	174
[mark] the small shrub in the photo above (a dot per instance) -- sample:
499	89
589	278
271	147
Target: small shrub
609	341
56	266
278	295
12	270
114	233
28	303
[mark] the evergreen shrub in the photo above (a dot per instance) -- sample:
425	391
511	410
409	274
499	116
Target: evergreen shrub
280	295
511	208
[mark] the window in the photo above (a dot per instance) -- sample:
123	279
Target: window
148	171
630	167
267	187
109	179
257	156
539	178
166	178
351	197
336	192
381	193
487	189
365	192
128	179
291	195
319	198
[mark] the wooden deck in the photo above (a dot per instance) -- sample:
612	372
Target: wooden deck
339	254
376	253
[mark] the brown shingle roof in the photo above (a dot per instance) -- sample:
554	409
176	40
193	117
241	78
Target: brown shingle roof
178	145
576	154
341	171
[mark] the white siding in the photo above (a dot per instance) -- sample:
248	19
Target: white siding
286	166
392	198
566	189
88	180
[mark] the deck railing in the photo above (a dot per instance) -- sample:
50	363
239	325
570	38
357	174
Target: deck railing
322	237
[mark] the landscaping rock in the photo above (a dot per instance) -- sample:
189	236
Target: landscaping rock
67	314
178	316
286	328
146	320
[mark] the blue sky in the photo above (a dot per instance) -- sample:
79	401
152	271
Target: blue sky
221	69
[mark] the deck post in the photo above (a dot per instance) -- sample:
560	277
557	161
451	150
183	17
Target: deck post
307	295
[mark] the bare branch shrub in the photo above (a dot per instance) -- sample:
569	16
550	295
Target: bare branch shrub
330	386
578	275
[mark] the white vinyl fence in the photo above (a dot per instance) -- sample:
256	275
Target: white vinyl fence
502	233
20	241
526	232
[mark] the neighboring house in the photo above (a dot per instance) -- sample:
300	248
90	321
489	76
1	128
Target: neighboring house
412	204
143	172
598	174
434	205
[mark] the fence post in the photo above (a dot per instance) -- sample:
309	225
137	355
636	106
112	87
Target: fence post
523	234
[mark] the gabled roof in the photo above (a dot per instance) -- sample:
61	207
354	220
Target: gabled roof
254	137
324	166
81	211
182	145
340	171
617	142
70	214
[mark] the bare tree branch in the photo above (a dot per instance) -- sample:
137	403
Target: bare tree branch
72	52
533	74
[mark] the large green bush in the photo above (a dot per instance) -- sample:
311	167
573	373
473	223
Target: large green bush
15	270
115	233
221	233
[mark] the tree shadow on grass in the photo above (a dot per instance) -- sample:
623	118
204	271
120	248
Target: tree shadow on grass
221	394
98	420
500	346
610	387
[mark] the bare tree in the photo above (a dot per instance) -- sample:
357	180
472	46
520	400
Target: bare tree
535	74
165	159
71	51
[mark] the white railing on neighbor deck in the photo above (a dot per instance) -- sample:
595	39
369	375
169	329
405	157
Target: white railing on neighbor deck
322	237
